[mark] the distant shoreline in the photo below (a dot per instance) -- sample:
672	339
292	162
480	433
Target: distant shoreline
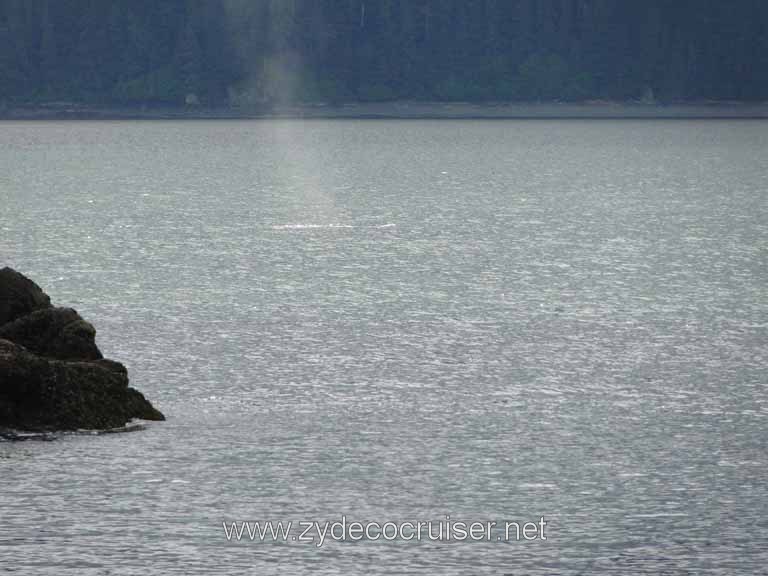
400	110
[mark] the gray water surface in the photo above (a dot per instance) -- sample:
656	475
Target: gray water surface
399	321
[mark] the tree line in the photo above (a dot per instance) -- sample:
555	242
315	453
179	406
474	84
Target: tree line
259	52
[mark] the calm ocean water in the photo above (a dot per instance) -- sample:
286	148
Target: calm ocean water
399	321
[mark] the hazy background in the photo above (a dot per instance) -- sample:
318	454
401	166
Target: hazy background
252	53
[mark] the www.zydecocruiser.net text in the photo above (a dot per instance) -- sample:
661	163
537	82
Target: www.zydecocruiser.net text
343	530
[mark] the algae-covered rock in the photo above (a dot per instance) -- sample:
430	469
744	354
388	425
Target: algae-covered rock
19	296
38	393
52	374
54	332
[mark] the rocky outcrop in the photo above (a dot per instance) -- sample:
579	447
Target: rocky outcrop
54	332
44	394
52	374
19	296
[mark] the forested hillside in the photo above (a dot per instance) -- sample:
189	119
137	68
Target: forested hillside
256	52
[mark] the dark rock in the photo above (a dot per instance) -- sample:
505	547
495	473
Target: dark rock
54	332
52	374
19	296
39	393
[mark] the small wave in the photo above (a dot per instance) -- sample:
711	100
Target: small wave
537	486
14	436
7	435
324	226
662	515
309	226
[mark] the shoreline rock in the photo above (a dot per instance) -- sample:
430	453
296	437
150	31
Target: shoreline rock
53	377
19	296
58	333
